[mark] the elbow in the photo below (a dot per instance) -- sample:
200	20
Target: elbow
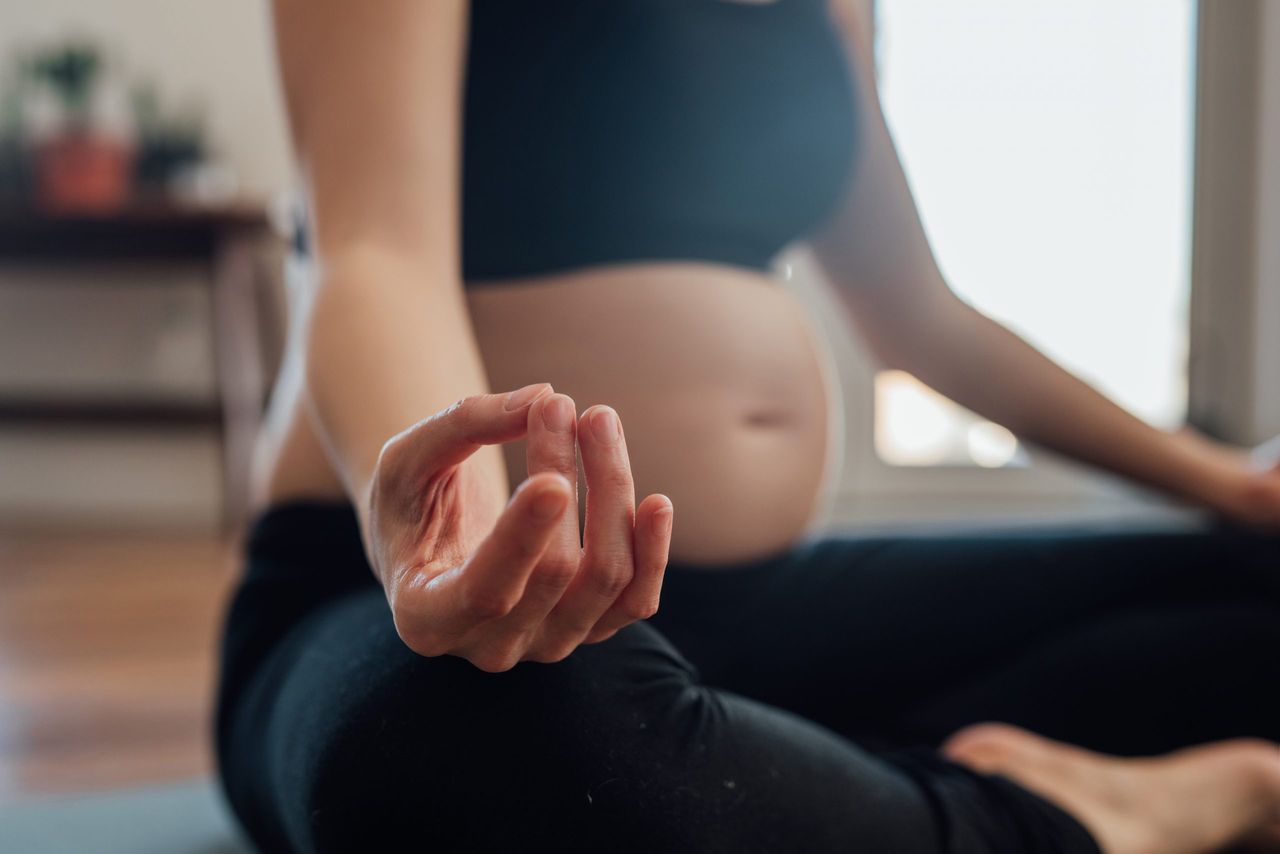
909	329
895	329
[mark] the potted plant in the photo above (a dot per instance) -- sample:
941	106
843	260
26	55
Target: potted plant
13	160
77	169
169	144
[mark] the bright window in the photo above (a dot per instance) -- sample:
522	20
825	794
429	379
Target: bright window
1049	147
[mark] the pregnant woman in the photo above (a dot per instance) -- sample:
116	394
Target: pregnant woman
533	223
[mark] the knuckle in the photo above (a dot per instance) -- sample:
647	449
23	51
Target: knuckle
485	605
560	459
564	648
461	412
611	585
570	630
393	469
430	647
464	406
554	574
408	626
529	538
487	663
600	635
393	453
495	660
642	609
552	654
617	478
611	582
420	639
525	543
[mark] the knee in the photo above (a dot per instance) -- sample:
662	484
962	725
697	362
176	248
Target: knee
408	742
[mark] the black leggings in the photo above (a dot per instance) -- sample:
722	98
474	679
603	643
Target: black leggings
791	704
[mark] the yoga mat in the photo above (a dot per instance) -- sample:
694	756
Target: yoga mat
178	818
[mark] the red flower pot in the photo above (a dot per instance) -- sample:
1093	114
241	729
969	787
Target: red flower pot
82	173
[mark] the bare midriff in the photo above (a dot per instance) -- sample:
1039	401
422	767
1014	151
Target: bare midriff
715	371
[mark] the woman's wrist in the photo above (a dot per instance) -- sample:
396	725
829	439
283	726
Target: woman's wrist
1214	475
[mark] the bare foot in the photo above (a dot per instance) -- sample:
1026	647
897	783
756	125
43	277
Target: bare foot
1193	801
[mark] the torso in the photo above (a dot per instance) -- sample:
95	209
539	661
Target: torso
716	373
630	168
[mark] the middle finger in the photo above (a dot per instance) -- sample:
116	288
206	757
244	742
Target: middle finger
607	551
551	447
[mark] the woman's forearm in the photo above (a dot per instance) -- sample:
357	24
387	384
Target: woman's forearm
385	349
374	93
984	366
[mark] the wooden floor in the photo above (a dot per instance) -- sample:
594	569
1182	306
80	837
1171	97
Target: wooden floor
106	658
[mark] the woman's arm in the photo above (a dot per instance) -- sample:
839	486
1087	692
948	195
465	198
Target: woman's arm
373	91
876	252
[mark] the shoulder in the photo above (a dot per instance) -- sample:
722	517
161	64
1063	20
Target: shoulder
854	19
855	22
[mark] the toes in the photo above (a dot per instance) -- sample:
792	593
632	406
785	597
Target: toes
988	747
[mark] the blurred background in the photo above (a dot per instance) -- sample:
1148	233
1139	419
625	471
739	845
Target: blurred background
1066	156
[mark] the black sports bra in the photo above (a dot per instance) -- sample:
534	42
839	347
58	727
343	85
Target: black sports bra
606	131
602	131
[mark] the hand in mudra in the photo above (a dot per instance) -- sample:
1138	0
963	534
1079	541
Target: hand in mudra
521	586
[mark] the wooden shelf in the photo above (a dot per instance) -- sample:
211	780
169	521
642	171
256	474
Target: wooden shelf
222	239
112	411
142	230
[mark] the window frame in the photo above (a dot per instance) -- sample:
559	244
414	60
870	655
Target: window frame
1235	274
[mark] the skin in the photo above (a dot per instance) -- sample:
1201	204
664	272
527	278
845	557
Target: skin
523	590
1205	798
385	400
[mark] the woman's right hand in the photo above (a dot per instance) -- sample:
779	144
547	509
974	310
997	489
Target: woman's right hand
497	591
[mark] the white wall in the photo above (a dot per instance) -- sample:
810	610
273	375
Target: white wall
217	52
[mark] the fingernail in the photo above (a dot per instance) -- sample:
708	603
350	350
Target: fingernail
548	505
662	519
522	397
557	415
604	425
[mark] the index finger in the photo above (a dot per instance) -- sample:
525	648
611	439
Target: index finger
459	430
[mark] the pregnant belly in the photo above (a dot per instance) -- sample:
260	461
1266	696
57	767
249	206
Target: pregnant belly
715	373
